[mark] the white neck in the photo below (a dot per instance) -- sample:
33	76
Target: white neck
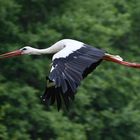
45	51
51	50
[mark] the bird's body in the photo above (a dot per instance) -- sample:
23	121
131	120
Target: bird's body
70	65
72	62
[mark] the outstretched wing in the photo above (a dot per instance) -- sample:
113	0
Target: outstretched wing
67	72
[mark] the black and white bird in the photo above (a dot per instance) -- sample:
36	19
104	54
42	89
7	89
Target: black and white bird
72	62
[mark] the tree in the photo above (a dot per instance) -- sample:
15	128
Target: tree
107	103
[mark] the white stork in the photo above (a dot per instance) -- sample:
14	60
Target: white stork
72	61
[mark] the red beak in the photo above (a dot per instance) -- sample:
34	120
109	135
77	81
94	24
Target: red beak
11	54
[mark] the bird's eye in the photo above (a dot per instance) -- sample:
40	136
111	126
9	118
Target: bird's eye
24	49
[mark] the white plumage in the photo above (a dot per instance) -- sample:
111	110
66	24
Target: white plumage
69	47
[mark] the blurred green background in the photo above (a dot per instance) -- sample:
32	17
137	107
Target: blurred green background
107	105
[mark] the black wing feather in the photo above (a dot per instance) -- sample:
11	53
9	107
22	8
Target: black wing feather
58	99
68	72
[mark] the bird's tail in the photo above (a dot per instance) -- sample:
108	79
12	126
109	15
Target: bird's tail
119	60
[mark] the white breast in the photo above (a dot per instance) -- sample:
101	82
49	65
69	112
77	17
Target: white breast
70	47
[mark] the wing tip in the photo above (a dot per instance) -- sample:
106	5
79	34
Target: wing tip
54	96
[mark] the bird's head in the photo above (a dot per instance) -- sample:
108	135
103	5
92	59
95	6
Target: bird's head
25	50
28	50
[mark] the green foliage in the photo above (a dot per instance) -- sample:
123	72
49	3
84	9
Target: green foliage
107	105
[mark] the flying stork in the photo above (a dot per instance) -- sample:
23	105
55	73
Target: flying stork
72	62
